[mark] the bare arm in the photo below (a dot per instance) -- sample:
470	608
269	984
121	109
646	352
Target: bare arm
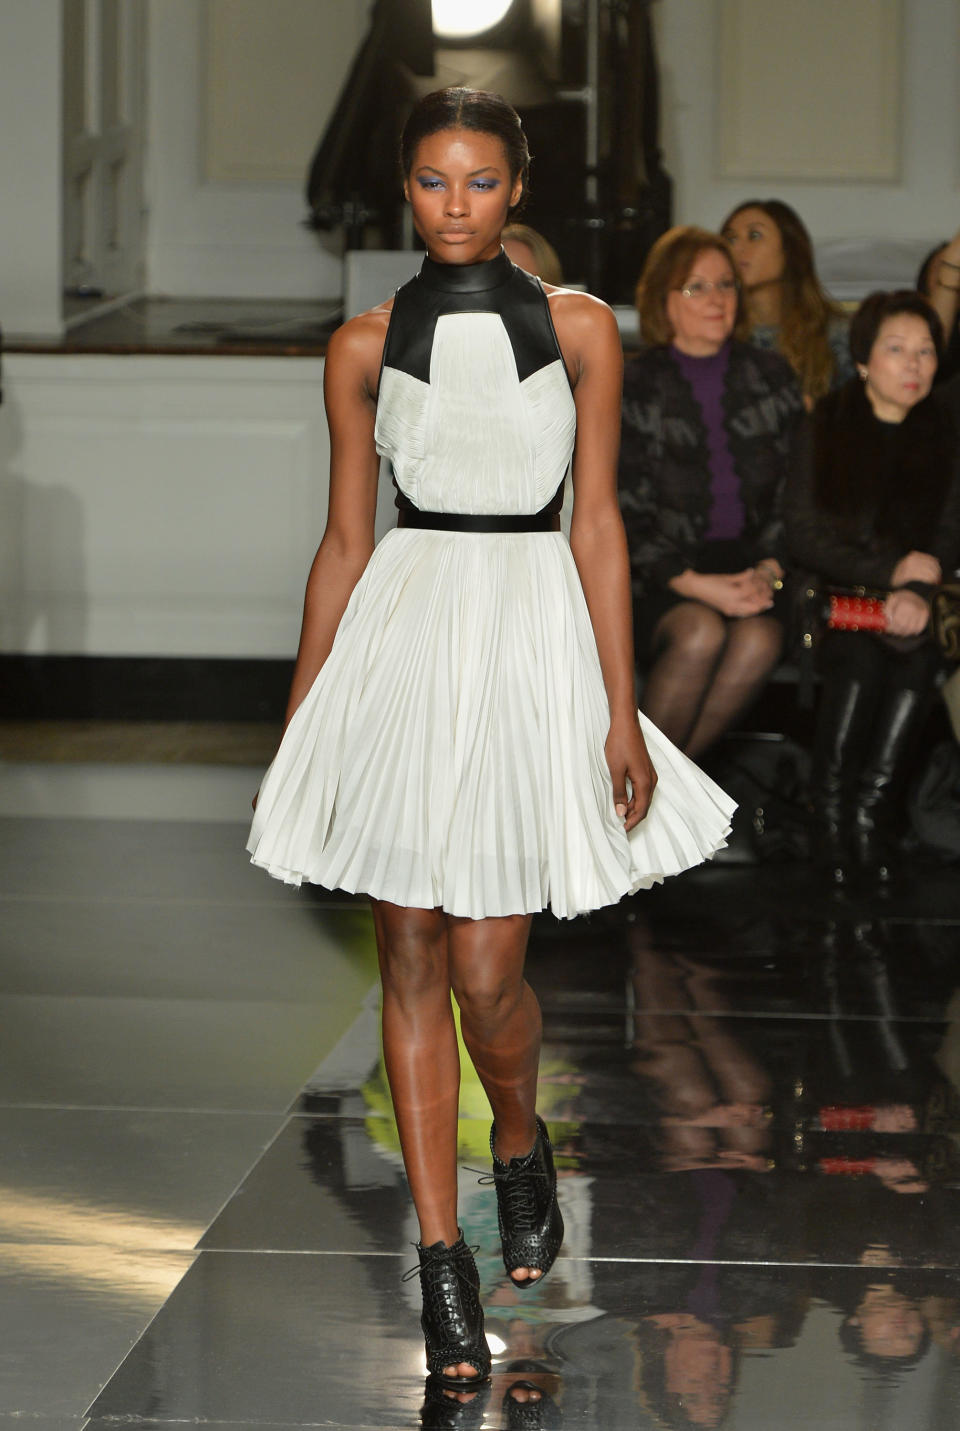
588	335
353	360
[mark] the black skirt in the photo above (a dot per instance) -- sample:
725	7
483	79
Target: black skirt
725	557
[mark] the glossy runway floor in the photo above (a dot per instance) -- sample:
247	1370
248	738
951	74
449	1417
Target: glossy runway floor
754	1098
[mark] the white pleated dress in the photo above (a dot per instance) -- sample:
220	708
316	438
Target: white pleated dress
450	752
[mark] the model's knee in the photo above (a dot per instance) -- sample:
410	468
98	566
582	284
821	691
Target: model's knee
486	1002
413	954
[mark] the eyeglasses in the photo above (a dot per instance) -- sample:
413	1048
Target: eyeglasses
700	288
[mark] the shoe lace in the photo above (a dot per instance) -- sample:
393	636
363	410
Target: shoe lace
442	1292
428	1257
514	1186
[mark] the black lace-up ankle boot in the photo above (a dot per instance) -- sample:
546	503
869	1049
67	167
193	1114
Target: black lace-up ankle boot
541	1414
443	1410
531	1225
452	1318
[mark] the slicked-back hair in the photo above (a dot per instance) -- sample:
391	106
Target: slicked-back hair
474	109
877	307
668	266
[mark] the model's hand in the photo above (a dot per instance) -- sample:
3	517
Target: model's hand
916	566
742	593
907	613
634	778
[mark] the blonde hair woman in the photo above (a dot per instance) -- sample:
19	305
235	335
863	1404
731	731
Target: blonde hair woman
531	251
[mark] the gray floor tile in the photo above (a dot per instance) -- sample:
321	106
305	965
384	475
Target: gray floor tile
162	1053
101	858
70	1314
179	948
79	1175
41	1423
127	792
275	1338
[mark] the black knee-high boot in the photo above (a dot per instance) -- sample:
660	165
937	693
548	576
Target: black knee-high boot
842	723
897	723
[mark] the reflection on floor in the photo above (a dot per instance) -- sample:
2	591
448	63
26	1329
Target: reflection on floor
754	1094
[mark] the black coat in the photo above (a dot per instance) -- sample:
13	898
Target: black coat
664	472
875	491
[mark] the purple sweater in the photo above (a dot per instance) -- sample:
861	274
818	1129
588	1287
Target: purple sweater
707	377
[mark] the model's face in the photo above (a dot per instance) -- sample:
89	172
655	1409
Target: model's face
757	247
901	366
703	312
460	191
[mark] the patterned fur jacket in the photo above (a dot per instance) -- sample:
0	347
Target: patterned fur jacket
664	466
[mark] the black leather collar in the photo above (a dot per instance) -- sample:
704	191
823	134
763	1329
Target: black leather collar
467	277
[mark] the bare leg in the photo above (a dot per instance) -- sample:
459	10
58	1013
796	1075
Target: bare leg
422	1059
688	643
753	649
420	951
501	1025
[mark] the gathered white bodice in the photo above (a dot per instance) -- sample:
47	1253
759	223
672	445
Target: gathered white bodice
475	438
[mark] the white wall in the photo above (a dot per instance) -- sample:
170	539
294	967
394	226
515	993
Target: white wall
245	238
236	239
919	205
152	505
30	166
165	506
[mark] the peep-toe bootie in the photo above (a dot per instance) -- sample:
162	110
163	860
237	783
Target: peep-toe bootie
452	1318
531	1224
543	1414
442	1410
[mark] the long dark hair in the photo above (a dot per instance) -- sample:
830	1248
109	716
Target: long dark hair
475	109
805	309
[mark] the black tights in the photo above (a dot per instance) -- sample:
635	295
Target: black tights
707	670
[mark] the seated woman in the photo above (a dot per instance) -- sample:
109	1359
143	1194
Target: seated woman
787	309
881	509
711	427
529	250
939	281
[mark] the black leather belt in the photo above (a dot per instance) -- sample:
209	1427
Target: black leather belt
478	521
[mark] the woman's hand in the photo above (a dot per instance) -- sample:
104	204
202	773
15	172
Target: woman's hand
917	566
742	593
629	762
907	613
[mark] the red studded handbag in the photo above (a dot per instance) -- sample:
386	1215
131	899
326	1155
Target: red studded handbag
855	611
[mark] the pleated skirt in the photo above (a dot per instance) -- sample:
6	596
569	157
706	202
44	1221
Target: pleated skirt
450	753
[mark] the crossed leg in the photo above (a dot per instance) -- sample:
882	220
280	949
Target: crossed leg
707	670
424	954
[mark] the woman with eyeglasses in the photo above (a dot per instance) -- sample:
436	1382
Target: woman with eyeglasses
711	428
